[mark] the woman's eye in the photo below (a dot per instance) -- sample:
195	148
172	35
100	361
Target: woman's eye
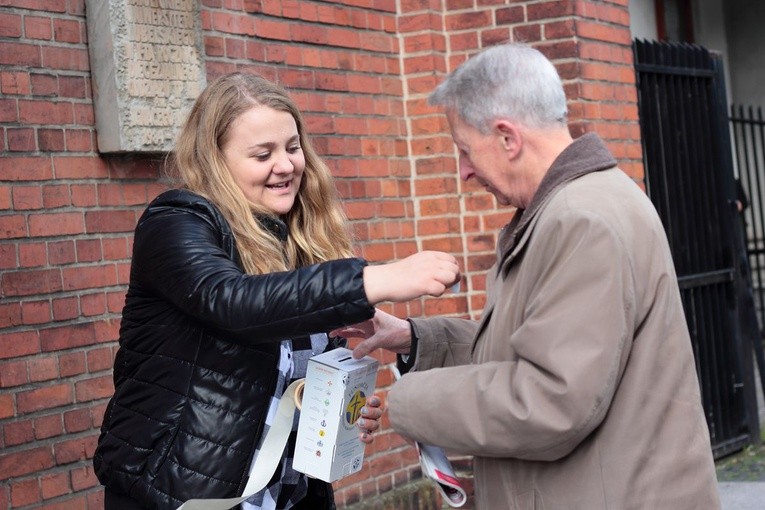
293	149
263	156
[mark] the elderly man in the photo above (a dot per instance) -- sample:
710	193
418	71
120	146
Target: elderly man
577	388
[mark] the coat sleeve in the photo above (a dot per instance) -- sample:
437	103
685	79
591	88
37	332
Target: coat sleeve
178	256
443	342
567	355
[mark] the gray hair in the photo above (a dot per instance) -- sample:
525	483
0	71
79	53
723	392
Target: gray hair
506	81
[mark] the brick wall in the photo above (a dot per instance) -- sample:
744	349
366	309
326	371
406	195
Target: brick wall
361	71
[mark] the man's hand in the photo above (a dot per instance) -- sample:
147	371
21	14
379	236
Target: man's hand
383	331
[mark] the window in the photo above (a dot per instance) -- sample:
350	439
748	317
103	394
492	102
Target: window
674	20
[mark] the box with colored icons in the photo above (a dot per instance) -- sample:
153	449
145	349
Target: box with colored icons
336	388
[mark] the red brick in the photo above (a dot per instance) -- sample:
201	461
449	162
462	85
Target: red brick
95	500
116	301
66	30
50	140
32	255
55	484
97	412
75	450
235	48
10	313
36	27
560	29
25	492
79	140
6	406
103	275
74	86
45	112
71	363
468	20
5	197
44	398
84	478
55	196
93	304
43	368
56	224
44	84
116	248
12	83
27	197
10	25
527	33
36	312
21	463
8	110
17	344
84	114
68	59
13	373
602	32
75	502
83	195
496	36
551	9
21	139
25	168
19	432
20	54
65	308
233	24
61	252
67	337
77	420
48	426
78	167
88	250
215	47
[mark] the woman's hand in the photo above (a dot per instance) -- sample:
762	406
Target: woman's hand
425	273
370	418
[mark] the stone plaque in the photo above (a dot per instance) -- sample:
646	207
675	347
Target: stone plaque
147	62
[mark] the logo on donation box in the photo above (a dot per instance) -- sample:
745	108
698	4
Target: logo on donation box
353	409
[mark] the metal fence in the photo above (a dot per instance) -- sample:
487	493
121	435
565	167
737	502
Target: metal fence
689	178
748	127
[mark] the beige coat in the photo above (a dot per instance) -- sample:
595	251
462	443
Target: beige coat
578	388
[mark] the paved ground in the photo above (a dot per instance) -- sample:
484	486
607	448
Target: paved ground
742	479
742	495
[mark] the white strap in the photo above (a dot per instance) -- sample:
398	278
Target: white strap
269	456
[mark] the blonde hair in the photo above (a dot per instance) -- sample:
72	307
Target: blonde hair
318	228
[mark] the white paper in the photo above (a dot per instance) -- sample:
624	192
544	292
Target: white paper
436	466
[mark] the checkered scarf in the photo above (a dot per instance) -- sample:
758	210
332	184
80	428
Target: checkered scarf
287	486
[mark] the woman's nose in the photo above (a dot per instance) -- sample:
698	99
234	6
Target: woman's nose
283	164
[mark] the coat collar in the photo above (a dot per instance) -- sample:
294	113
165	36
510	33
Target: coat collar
584	155
275	225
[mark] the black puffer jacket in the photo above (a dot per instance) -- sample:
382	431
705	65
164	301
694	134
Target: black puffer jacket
197	362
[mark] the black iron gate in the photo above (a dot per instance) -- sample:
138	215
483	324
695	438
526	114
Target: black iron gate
749	142
748	127
689	177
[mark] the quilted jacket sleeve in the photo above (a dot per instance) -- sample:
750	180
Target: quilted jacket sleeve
180	255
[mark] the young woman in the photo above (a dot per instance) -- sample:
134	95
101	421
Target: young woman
235	278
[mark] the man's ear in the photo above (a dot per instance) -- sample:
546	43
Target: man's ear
509	135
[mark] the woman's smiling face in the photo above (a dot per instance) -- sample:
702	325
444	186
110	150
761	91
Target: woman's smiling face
263	154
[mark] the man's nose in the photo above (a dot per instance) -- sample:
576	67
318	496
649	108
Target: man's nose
466	169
